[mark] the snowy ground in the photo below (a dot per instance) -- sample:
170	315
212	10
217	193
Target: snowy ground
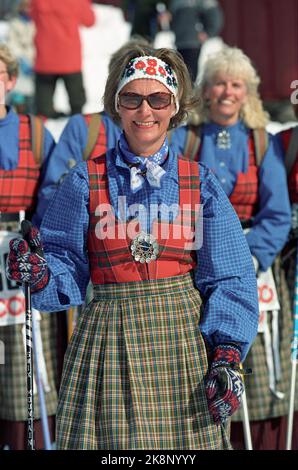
109	33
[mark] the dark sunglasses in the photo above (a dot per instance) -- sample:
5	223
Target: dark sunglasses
155	100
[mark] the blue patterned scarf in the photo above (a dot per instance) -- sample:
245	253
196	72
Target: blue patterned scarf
144	167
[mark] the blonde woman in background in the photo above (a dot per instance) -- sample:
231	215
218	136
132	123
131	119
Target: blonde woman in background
229	136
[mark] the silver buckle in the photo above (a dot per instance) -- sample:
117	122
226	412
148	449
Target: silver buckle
144	248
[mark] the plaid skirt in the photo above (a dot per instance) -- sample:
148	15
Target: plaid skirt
13	378
289	265
134	372
262	404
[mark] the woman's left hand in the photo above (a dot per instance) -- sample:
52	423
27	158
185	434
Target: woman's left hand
224	386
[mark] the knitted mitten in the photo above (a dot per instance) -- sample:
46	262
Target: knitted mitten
28	266
224	385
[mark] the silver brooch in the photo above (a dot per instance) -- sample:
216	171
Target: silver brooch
71	163
144	248
223	139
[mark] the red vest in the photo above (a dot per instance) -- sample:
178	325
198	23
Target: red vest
293	176
244	197
18	187
110	256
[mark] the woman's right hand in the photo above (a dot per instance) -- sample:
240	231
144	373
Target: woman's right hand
26	261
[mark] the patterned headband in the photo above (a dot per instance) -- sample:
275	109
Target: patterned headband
152	68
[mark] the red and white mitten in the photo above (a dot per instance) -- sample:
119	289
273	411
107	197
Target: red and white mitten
24	265
224	386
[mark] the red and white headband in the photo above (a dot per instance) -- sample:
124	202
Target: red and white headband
152	68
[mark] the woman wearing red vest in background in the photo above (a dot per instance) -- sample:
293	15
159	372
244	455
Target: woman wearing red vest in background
249	166
172	276
21	172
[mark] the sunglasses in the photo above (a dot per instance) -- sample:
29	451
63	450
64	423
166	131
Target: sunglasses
155	100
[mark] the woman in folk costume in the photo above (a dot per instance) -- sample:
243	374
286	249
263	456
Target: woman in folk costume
159	239
232	141
21	171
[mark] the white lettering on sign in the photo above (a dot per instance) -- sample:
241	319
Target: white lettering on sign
12	299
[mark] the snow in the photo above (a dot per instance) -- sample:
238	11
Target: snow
3	30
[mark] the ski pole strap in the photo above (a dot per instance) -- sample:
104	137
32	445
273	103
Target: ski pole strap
243	371
93	131
235	366
37	138
193	142
261	142
29	369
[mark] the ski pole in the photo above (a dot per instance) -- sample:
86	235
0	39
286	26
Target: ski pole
29	355
245	419
29	364
41	397
294	363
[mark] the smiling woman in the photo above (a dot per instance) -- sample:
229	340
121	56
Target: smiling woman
136	373
231	71
226	95
146	126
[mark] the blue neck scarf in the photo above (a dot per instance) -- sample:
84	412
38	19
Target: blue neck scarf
144	168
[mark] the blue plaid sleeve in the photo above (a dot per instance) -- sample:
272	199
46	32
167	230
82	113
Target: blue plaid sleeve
64	235
67	153
225	275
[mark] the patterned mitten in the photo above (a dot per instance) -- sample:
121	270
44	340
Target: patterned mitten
25	266
224	385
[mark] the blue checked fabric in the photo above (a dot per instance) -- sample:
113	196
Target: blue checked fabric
224	275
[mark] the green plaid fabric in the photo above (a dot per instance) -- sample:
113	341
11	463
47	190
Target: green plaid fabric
289	265
134	371
13	378
262	404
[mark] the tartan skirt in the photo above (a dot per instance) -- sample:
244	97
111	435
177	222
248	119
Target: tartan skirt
134	371
262	404
13	375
